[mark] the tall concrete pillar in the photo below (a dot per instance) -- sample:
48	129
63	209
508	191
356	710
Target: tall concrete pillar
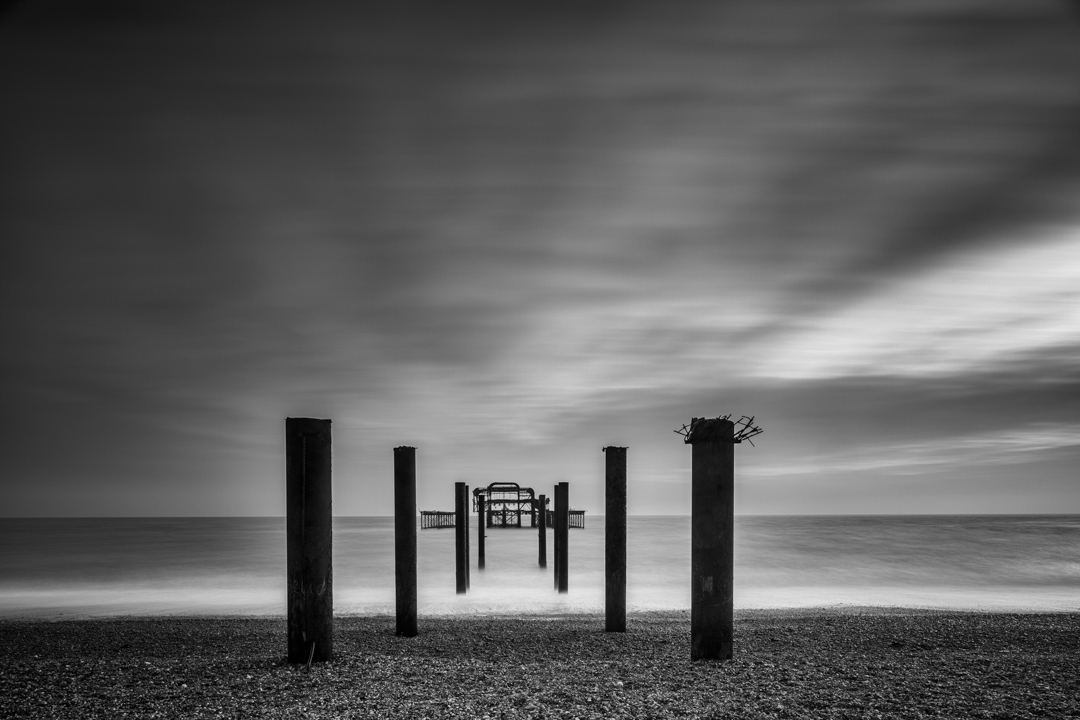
405	539
615	539
555	533
562	528
542	524
309	559
468	545
461	537
481	528
712	538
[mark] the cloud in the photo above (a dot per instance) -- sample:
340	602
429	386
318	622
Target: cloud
511	233
1013	446
1016	305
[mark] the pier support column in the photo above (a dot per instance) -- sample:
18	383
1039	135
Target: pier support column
555	532
481	508
712	538
615	540
309	561
543	531
562	527
461	537
468	546
405	539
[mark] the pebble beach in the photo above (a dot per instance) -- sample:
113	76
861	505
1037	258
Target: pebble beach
826	663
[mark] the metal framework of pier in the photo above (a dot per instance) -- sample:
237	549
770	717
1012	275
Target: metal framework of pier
436	519
505	504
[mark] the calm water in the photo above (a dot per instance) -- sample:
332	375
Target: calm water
55	567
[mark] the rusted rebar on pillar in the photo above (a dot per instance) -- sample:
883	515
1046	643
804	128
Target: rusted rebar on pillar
481	526
405	539
461	537
615	539
712	538
542	523
562	527
309	559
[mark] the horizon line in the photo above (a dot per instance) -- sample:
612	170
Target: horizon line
666	515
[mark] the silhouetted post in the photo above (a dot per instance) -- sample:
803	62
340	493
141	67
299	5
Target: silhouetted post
461	537
468	549
309	560
405	539
481	514
555	532
615	540
543	531
555	547
712	538
562	527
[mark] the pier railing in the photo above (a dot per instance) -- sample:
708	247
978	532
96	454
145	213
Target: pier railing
430	519
436	519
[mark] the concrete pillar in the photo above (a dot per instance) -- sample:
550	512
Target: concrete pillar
615	540
562	527
712	538
555	532
309	560
481	508
461	537
542	524
405	539
468	546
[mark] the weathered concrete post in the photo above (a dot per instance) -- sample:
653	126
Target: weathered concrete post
461	537
555	532
309	560
562	527
615	540
405	539
468	551
543	531
481	507
712	538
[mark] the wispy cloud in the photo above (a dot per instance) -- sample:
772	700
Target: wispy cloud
977	312
1014	446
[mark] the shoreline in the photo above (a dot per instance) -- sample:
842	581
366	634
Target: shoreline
840	661
54	615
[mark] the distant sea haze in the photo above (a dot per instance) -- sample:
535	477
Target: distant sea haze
110	566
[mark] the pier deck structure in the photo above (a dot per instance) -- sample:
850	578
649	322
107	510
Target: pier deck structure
506	504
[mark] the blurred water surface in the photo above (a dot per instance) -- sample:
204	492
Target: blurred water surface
93	567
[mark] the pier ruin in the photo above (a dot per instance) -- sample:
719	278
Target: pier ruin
506	505
309	570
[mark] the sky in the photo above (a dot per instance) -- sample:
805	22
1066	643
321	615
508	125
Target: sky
512	234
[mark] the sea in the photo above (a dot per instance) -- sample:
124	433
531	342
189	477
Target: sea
95	567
